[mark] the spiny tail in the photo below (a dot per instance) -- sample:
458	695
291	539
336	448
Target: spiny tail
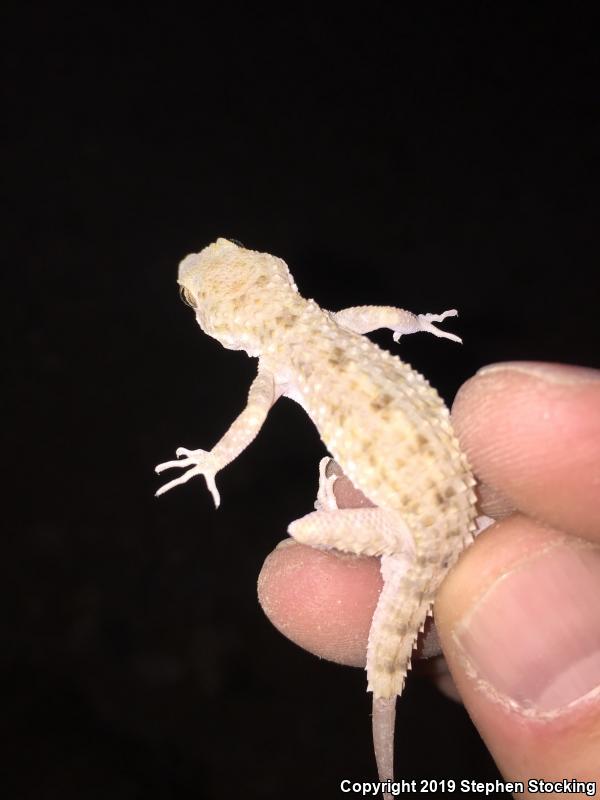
404	604
405	601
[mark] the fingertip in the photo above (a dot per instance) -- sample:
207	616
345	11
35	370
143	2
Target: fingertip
322	601
532	432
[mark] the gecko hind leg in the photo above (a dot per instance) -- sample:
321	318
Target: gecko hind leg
362	531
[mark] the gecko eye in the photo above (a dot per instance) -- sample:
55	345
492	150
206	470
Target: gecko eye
186	297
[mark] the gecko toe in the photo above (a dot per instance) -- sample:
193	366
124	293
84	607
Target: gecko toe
177	481
171	464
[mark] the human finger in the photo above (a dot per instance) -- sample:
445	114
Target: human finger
519	622
532	435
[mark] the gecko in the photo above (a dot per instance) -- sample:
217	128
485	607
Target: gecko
385	426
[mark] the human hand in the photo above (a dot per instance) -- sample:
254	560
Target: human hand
519	615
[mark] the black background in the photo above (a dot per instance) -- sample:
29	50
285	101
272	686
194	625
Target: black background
436	160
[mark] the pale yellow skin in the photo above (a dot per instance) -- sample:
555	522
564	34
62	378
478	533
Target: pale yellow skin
383	423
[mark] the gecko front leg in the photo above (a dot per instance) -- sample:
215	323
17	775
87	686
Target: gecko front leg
364	319
261	396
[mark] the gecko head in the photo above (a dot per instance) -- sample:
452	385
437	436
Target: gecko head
232	290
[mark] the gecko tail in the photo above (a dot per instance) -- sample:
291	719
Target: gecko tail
384	721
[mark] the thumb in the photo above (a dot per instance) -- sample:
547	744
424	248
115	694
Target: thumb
519	622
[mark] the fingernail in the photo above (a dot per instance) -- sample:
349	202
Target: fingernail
565	374
532	640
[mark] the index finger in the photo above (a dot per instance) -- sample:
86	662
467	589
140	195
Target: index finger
532	432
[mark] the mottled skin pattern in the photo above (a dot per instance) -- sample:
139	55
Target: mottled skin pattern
383	423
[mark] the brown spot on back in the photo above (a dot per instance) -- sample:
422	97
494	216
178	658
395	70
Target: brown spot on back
286	319
381	401
338	357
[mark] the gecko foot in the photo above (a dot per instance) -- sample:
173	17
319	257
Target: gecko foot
325	497
425	322
200	462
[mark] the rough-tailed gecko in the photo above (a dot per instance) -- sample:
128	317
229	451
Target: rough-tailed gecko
386	427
